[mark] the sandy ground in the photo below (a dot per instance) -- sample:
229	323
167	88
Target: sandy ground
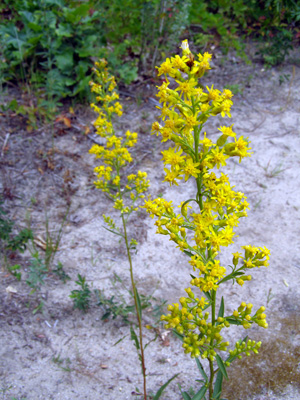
65	354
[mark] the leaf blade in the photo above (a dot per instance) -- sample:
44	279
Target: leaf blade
222	367
162	388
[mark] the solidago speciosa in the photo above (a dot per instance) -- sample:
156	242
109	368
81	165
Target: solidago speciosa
206	222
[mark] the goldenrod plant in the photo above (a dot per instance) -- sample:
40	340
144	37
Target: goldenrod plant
124	190
206	222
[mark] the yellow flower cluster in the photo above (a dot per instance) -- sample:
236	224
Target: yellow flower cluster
207	221
114	154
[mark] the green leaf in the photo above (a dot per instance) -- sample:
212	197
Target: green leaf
218	386
185	395
162	388
199	365
64	30
221	310
178	335
233	321
114	232
222	367
199	395
134	338
138	300
81	86
55	2
207	295
65	61
120	340
188	253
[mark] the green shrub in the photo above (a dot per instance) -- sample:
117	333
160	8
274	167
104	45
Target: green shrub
49	43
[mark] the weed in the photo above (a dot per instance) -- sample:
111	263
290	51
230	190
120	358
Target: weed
11	242
284	78
81	297
273	172
37	273
59	271
64	364
52	243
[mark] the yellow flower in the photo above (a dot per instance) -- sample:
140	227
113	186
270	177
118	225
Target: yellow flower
190	169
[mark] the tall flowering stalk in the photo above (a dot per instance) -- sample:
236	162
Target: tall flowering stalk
206	222
124	190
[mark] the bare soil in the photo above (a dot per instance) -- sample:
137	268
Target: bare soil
62	353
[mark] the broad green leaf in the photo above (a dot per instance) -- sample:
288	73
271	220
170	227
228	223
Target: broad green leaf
134	338
162	388
222	366
199	395
139	307
199	365
218	386
55	2
64	30
65	61
221	310
82	85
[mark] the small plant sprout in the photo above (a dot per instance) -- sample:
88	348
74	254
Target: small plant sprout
206	221
124	190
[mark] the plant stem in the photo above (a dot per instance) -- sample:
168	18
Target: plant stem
136	307
211	379
211	363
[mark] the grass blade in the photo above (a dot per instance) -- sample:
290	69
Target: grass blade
162	388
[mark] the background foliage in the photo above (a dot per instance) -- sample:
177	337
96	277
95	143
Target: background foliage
50	45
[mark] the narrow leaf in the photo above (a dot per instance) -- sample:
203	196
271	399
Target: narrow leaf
199	365
178	335
162	388
218	386
134	338
116	233
199	395
120	340
206	294
233	321
185	395
221	310
138	300
222	367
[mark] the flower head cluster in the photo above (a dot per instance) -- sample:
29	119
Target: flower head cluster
206	222
114	154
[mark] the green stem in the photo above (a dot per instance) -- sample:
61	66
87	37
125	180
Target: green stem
211	379
136	307
211	363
